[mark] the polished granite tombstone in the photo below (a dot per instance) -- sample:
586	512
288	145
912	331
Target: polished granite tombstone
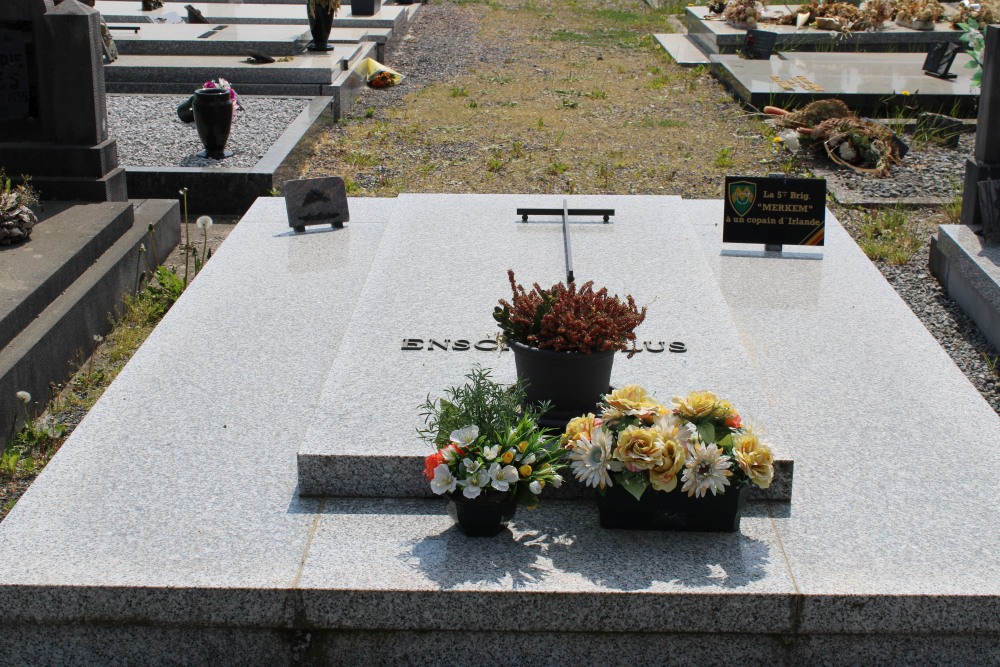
864	81
310	73
212	39
389	16
169	527
236	39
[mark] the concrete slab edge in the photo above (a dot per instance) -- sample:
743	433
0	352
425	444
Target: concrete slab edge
958	260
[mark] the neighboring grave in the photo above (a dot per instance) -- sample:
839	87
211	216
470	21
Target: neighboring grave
53	123
864	81
985	163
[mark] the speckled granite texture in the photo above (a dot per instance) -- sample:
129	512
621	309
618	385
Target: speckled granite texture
170	524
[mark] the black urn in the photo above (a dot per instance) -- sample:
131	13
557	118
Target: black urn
213	116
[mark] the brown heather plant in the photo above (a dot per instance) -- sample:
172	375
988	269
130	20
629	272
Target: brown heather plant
567	319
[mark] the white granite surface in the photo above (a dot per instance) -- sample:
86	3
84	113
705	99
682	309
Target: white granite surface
175	502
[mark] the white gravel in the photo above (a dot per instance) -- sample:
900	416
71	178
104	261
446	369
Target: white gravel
150	134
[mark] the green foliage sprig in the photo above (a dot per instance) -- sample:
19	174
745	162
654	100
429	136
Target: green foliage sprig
972	35
568	319
481	402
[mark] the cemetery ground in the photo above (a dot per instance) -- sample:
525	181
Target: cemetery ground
539	96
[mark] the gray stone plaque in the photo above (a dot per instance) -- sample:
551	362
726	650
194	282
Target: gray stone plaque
17	99
316	201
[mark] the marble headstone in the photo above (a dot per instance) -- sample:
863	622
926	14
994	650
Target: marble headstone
316	201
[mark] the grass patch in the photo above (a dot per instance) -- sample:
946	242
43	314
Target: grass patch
889	235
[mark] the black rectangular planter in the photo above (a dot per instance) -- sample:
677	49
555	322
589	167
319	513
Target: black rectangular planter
672	511
365	7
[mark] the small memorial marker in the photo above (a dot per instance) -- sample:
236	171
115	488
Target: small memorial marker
774	211
316	201
939	59
758	44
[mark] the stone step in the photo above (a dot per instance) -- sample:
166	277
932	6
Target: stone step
63	245
75	292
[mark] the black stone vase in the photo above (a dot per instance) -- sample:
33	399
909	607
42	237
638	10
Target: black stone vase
213	116
572	382
320	26
365	7
484	516
658	510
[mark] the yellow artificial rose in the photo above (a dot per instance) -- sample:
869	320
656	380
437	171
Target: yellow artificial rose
664	477
639	448
696	405
724	410
508	456
754	458
631	400
577	427
670	427
525	470
523	445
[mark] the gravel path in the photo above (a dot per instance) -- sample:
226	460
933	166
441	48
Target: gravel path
150	134
926	171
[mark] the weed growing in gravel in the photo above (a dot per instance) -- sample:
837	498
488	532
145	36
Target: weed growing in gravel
724	158
889	235
473	104
953	209
369	112
361	159
557	168
458	91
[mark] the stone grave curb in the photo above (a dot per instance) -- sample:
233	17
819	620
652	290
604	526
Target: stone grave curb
969	271
227	191
44	351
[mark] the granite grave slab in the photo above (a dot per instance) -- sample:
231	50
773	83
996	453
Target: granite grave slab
870	82
170	524
395	17
425	304
204	40
714	35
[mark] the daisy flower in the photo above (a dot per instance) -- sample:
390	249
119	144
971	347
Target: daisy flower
591	458
706	469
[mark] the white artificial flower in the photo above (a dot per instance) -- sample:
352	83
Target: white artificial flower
204	222
591	457
464	437
557	481
24	397
471	465
491	453
529	459
473	485
535	487
706	469
502	477
846	151
444	481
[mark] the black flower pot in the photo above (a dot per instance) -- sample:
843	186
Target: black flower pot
657	510
484	516
213	116
365	7
185	110
572	382
320	26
